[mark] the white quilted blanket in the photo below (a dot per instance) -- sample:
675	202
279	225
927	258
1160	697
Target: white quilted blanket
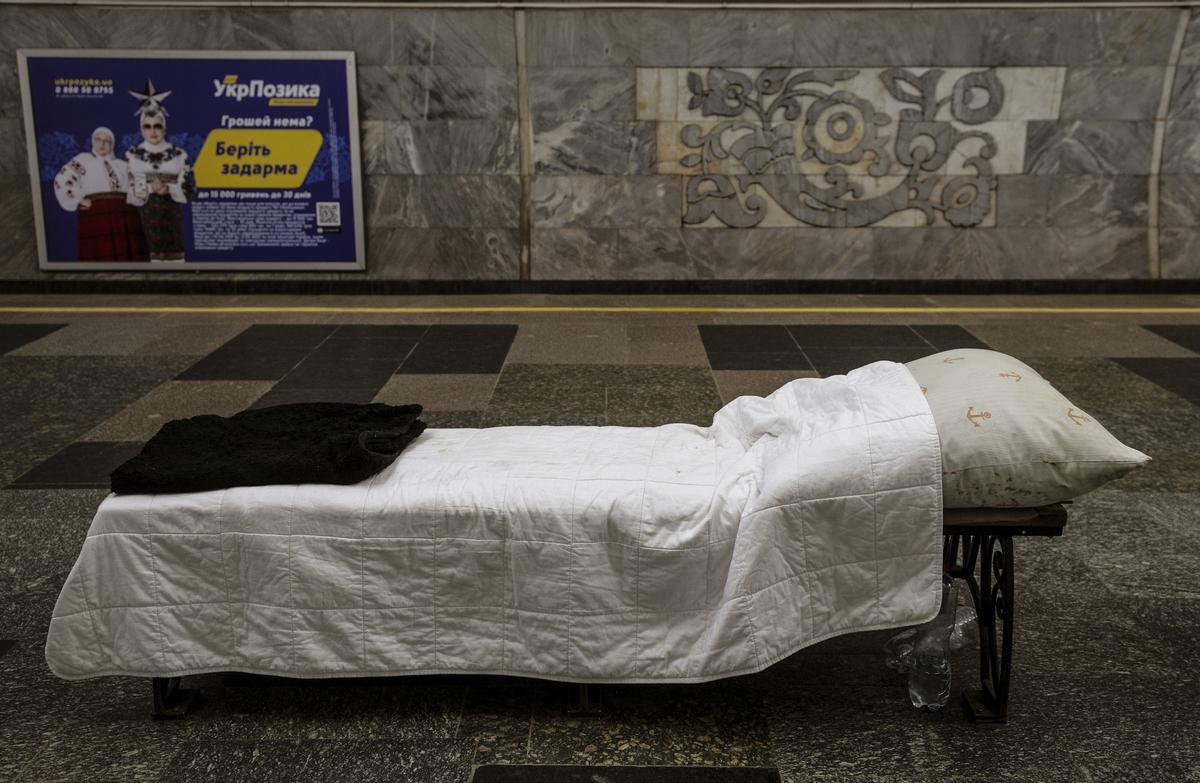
575	553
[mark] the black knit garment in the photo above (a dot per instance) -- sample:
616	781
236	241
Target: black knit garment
303	443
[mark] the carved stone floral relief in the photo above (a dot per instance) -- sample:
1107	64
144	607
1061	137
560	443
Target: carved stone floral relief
838	147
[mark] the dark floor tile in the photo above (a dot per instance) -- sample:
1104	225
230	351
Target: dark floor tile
1181	376
6	645
721	338
360	396
259	364
378	333
461	348
322	372
759	360
79	465
946	337
13	336
272	336
263	352
1187	335
553	773
855	336
457	358
839	361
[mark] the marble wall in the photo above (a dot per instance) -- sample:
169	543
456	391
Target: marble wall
681	145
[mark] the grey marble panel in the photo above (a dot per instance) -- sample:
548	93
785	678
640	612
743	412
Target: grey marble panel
1112	92
391	92
574	253
660	254
1012	253
1185	94
577	94
13	160
412	37
1072	200
662	38
390	201
49	27
121	28
1001	37
736	254
365	31
440	147
1081	36
1129	36
19	259
463	93
478	37
443	201
484	147
1088	147
595	148
606	202
262	28
1181	151
1179	252
1108	253
10	86
889	38
741	38
816	33
1179	200
16	202
444	253
1190	55
574	38
843	253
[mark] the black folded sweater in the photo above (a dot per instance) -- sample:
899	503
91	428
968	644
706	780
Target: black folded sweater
304	443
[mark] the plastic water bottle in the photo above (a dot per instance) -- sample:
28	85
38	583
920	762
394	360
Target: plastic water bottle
964	627
899	649
929	677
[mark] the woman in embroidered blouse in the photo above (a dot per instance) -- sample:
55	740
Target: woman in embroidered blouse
94	185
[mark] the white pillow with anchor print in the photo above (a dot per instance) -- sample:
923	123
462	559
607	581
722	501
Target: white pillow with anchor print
1009	438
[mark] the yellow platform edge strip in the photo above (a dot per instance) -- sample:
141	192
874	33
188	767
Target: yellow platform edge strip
584	309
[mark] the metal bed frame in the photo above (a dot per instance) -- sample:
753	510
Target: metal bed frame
977	548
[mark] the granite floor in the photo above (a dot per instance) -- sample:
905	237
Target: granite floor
1108	639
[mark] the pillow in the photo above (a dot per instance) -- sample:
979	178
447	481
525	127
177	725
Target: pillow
1009	438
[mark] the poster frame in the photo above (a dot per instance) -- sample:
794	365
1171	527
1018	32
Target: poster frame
348	57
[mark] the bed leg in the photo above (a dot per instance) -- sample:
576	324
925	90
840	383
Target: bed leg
170	701
583	701
993	596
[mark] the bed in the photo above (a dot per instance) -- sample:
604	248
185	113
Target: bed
581	554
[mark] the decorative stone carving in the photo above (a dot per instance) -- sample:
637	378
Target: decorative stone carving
806	143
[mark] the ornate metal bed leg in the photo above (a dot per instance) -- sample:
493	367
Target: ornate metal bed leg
995	607
170	701
583	701
992	594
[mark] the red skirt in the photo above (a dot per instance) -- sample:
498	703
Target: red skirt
109	230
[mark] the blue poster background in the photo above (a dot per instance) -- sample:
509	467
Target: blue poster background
63	128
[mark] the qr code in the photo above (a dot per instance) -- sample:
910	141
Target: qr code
329	213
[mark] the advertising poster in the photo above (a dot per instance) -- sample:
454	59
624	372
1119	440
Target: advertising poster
185	160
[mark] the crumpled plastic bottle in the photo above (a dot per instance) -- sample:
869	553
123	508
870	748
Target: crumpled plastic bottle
923	652
964	628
